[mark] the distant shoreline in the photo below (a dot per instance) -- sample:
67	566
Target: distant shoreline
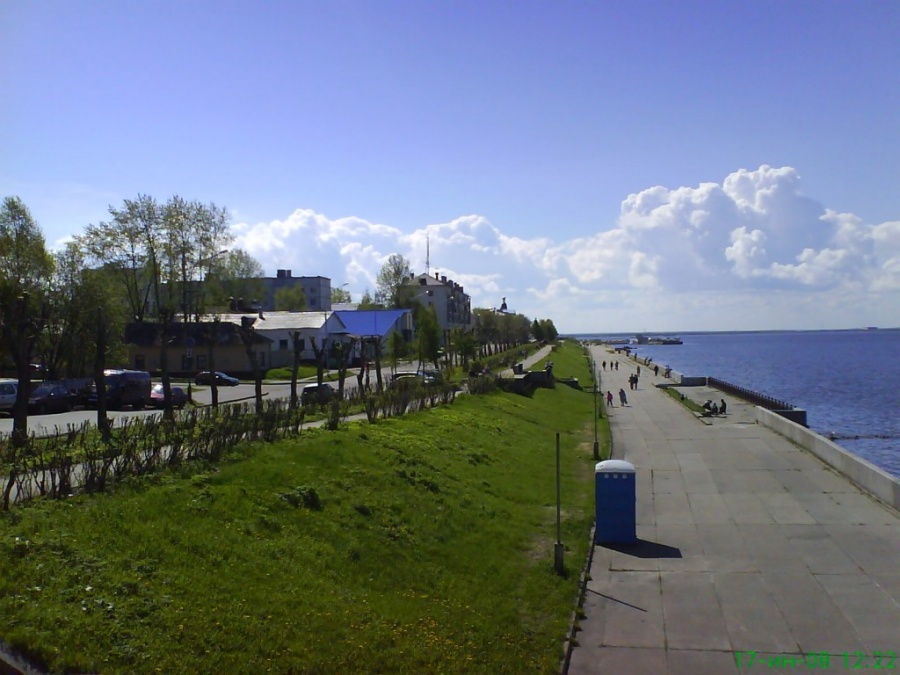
868	329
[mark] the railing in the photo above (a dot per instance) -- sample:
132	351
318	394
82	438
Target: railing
783	408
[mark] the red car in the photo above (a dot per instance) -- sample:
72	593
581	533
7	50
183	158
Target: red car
158	399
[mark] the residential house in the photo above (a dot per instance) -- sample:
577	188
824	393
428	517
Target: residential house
450	301
189	347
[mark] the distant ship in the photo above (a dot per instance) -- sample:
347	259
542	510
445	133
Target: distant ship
647	340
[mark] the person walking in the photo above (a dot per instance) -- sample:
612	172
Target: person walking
722	407
623	399
609	398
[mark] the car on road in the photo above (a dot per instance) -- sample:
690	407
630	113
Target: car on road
158	398
50	398
314	393
9	389
222	380
404	380
123	388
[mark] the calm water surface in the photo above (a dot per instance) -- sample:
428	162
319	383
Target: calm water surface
847	381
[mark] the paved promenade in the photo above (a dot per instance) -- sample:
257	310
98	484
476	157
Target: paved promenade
747	545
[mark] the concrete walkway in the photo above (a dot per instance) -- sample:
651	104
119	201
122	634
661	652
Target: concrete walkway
747	545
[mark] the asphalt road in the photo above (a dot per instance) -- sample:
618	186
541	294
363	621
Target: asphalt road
45	425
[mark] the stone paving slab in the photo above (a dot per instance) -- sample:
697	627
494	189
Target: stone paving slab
747	544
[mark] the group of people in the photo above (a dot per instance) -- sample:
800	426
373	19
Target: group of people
613	365
714	409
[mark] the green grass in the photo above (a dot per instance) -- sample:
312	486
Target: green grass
419	544
683	400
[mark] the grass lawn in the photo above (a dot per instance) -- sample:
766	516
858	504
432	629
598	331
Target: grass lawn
418	544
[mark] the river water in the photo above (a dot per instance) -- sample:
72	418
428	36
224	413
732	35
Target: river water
847	381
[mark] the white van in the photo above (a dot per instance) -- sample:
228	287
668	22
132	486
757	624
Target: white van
8	391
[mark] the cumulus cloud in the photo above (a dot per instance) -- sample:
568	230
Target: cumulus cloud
754	234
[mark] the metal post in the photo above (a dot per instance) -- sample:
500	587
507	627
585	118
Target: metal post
558	549
596	409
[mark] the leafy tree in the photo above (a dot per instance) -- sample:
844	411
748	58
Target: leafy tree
74	295
193	234
397	347
428	334
366	302
486	329
290	299
23	309
236	275
549	330
393	274
537	330
465	345
340	296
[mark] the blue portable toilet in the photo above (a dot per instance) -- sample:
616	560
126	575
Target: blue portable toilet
616	502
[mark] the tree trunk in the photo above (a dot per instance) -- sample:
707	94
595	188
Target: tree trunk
100	377
295	343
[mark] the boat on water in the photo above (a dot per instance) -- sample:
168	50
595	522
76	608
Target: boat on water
657	340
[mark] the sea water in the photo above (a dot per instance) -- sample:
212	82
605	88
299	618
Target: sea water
847	381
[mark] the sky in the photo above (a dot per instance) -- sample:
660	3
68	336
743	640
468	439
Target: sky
613	166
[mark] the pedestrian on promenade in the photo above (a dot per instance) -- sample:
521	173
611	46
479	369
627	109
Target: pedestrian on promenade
609	398
617	366
623	399
722	407
639	371
656	370
604	365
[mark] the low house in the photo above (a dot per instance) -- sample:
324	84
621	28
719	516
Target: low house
190	345
279	327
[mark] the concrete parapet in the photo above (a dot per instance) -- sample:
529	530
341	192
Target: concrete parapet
688	380
869	477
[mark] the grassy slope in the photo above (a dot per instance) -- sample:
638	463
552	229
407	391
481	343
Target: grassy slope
432	551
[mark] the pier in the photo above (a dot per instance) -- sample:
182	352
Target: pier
753	553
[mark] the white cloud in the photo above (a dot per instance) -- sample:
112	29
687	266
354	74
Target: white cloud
754	238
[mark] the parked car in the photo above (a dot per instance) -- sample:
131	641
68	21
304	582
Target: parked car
313	393
9	389
124	388
50	398
222	379
158	398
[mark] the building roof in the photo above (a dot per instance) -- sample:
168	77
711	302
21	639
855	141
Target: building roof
147	334
370	321
282	320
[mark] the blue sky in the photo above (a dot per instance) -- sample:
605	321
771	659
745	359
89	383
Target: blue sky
614	166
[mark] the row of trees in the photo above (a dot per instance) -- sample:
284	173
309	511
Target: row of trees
67	309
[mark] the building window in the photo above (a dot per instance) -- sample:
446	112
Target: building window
262	359
139	363
187	362
201	361
282	344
